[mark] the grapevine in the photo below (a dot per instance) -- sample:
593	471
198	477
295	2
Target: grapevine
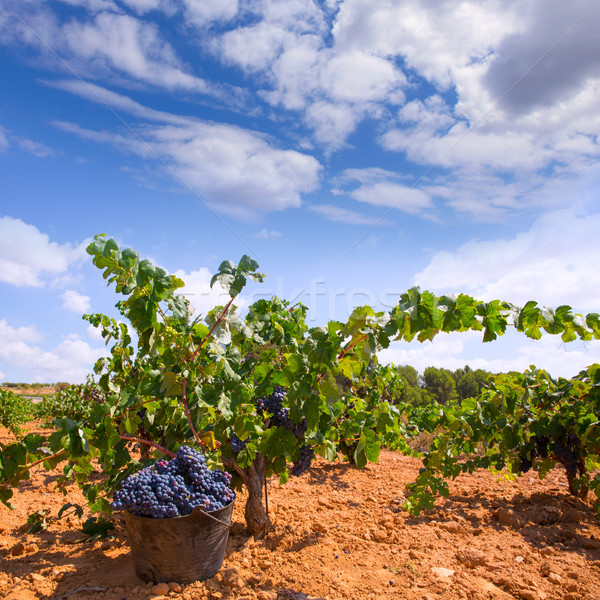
259	396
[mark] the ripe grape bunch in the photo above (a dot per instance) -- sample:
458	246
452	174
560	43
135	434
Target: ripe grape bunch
174	488
272	410
273	405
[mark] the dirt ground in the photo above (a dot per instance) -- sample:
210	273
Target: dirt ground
42	391
339	533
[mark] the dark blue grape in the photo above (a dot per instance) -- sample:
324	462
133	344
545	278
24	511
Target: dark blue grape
237	445
173	488
307	454
272	406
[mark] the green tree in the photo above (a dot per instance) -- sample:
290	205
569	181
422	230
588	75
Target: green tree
469	383
439	383
411	393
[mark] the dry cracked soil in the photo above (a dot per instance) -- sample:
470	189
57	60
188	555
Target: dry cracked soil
339	533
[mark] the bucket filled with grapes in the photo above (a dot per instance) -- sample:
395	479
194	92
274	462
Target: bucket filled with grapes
178	513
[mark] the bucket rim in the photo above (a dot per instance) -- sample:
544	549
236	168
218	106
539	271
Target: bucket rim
195	513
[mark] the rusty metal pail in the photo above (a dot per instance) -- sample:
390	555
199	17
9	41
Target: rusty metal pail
182	549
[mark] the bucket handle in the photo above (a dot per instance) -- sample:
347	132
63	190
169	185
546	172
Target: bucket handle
227	525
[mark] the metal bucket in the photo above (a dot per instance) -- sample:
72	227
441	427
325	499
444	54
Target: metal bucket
182	549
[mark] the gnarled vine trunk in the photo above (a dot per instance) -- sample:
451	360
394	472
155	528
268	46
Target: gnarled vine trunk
257	519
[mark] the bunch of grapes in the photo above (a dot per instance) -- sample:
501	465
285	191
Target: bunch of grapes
302	465
567	456
525	463
237	445
271	408
94	395
174	488
273	405
541	445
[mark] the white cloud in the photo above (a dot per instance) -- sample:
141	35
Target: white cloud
331	123
265	234
36	148
252	48
229	167
358	76
94	333
3	139
71	360
144	6
436	38
124	43
381	188
202	297
108	43
28	257
202	12
12	334
554	262
345	215
393	195
334	88
75	302
93	5
95	93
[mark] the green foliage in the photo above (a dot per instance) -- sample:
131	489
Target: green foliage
96	528
14	411
74	402
520	422
171	379
37	521
439	384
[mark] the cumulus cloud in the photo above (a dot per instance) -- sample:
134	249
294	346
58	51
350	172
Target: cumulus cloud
333	87
202	12
382	188
70	360
28	257
550	59
75	302
28	333
554	263
227	166
204	298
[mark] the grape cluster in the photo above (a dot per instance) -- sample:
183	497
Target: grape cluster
237	445
174	488
302	465
566	455
525	463
93	395
541	445
564	452
273	405
272	410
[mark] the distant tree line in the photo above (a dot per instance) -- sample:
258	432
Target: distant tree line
441	385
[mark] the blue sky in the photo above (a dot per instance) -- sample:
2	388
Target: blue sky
354	148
